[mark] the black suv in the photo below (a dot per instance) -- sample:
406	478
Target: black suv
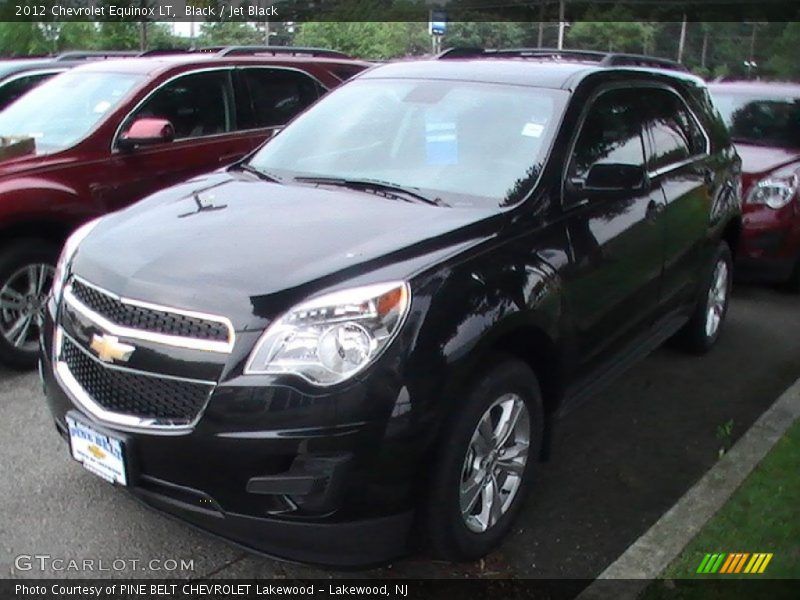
366	328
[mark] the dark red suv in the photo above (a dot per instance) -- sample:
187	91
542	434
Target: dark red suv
764	119
108	134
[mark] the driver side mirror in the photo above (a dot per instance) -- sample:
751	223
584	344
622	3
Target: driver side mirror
611	177
146	132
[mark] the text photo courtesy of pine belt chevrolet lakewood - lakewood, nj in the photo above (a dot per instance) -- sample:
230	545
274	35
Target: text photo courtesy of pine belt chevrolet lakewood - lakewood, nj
349	305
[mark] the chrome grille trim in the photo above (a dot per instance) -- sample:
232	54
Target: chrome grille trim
81	397
150	336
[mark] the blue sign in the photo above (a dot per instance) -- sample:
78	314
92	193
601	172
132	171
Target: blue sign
438	22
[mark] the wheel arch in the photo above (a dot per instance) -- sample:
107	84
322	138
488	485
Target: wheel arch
731	233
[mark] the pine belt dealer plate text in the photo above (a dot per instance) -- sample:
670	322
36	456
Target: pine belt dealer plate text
102	454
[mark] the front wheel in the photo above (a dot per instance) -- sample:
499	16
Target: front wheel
26	276
703	328
486	463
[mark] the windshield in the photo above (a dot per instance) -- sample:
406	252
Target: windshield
65	108
468	143
759	119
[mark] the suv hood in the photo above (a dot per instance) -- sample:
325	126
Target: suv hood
757	160
258	246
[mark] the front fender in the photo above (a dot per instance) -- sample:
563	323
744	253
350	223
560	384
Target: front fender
40	207
472	311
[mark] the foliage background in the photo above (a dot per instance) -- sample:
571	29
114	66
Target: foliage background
711	49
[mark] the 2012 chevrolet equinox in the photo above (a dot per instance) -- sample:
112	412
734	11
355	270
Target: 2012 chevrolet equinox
364	329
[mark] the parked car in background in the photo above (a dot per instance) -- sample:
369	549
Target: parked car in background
764	119
20	75
109	133
371	321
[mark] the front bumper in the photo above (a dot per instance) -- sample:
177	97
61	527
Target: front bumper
255	470
769	246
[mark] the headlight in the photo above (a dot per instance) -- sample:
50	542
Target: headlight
775	192
328	339
71	245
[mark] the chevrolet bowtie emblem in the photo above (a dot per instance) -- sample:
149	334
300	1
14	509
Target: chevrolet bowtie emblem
97	452
109	349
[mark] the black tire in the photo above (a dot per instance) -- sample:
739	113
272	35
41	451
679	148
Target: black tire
694	337
13	258
448	534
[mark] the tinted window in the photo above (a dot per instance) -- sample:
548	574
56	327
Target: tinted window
345	72
611	133
15	88
763	120
674	132
276	96
196	105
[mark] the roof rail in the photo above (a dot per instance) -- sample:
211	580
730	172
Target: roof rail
619	59
274	50
605	59
163	52
92	55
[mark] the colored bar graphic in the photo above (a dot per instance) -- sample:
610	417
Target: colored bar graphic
734	563
717	563
765	563
727	565
753	560
740	564
703	563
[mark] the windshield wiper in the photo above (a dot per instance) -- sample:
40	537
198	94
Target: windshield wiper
373	184
247	167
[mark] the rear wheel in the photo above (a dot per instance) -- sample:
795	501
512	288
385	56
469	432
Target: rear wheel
26	276
703	329
486	464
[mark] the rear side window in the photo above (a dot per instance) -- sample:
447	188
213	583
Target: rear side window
674	132
197	105
345	72
276	96
19	86
611	133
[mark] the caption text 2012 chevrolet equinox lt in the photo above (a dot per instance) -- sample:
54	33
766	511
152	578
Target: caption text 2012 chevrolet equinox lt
358	336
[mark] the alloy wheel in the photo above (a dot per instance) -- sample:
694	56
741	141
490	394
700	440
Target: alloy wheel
23	297
495	463
717	298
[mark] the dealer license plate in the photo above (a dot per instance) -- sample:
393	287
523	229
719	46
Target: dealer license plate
101	454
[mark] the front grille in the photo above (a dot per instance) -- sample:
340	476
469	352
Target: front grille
138	395
148	319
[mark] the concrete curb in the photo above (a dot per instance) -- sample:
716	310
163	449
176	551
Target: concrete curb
648	556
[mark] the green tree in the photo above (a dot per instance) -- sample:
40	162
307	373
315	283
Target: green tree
118	35
783	62
611	36
22	39
490	35
77	35
224	33
367	39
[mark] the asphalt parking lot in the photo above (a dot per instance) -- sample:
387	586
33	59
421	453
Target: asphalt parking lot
618	462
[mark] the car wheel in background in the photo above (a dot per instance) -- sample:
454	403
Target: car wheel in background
703	328
26	275
488	454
